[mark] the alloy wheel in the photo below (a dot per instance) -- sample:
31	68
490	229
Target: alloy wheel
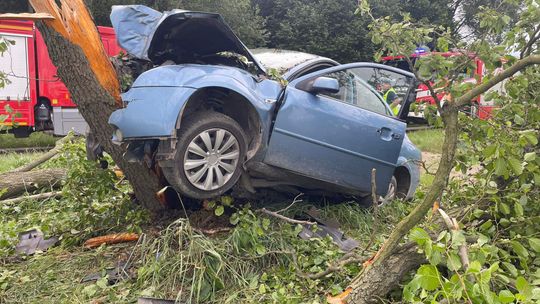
211	159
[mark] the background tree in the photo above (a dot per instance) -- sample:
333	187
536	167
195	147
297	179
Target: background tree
398	39
241	15
14	6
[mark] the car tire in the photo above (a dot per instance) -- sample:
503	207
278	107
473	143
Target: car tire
389	197
201	170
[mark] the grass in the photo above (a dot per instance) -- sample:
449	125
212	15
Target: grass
175	262
36	139
10	161
428	140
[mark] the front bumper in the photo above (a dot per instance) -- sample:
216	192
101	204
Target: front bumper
151	112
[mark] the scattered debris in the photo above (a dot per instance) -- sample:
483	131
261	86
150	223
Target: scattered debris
206	222
111	239
145	300
327	228
32	240
113	274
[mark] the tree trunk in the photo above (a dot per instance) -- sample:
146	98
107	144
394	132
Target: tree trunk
16	183
385	257
385	276
75	48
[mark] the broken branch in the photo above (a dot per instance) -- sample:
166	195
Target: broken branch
284	218
17	183
295	200
45	157
41	196
111	239
452	225
375	208
342	262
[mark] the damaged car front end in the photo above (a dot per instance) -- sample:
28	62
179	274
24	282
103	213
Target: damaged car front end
209	115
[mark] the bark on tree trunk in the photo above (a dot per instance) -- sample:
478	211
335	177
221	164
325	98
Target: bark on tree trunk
89	82
386	276
17	183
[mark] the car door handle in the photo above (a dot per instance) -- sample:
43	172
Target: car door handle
385	133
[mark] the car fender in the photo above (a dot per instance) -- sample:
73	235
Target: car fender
158	98
151	112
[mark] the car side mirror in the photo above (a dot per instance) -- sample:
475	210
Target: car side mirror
324	84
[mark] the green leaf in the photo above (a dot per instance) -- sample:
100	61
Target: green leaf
219	210
535	244
519	249
523	287
504	208
453	263
428	277
506	296
458	238
530	156
262	288
510	268
515	165
500	167
518	209
474	267
419	235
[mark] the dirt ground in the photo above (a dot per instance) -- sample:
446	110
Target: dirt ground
431	161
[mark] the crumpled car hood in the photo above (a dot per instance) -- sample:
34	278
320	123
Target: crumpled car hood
177	35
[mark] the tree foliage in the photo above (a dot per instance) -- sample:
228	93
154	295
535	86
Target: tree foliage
501	264
241	15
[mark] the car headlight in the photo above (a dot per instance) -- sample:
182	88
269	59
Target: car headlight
118	137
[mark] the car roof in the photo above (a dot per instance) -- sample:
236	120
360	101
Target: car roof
282	60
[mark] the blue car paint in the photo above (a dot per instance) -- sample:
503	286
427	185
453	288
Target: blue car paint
158	97
343	140
152	112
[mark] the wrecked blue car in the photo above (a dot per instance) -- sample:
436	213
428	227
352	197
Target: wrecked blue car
212	114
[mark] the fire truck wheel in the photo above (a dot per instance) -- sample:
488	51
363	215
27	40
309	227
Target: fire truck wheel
21	132
208	157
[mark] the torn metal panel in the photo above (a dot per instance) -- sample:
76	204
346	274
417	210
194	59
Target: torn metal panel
327	228
113	275
32	241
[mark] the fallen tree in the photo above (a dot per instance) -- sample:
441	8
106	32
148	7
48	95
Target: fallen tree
13	184
45	157
75	48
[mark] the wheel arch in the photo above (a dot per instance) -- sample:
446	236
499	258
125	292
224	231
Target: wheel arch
231	103
403	178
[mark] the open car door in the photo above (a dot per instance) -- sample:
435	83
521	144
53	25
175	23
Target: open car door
334	126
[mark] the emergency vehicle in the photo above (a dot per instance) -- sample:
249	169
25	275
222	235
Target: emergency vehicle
34	97
479	108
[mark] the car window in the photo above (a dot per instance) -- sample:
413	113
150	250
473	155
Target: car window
355	91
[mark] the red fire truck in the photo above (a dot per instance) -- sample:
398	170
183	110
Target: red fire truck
35	98
479	108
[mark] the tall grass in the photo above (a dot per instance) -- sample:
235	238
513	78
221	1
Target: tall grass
428	140
36	139
11	161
